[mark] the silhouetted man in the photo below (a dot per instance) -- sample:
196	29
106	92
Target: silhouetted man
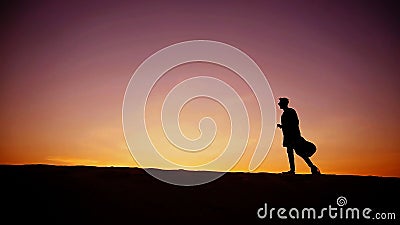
291	135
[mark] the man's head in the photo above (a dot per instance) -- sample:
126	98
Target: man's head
283	103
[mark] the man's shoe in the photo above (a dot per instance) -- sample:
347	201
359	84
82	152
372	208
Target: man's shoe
315	171
290	172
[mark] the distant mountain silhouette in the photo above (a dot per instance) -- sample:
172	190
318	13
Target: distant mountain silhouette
45	194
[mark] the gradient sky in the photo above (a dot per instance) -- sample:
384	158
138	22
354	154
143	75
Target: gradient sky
65	66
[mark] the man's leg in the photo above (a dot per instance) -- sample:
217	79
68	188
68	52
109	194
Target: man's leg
308	161
314	169
291	159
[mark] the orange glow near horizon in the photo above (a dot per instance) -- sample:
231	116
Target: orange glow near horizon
64	75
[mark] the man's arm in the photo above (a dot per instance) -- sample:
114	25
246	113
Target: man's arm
293	120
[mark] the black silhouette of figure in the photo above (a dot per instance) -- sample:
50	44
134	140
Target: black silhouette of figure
291	135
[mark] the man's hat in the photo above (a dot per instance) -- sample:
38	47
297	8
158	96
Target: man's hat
283	101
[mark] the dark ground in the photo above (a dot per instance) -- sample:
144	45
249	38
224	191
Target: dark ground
42	194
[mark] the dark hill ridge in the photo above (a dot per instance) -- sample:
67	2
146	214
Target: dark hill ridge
114	195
